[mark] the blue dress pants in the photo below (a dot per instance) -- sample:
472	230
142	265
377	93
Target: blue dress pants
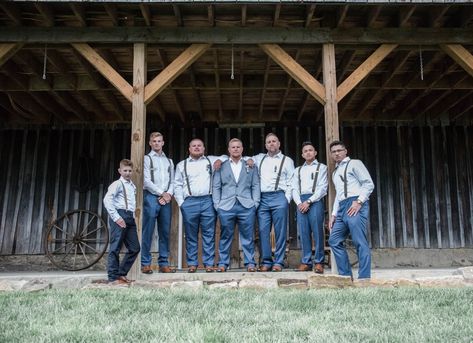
356	226
153	211
199	212
311	226
118	237
272	210
245	218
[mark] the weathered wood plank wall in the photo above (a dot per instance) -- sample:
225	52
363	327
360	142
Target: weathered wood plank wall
423	176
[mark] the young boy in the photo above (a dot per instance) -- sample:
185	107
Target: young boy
120	204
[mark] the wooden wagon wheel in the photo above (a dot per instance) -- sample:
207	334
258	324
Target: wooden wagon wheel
76	240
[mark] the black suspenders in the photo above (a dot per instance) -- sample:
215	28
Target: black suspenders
124	195
151	168
315	179
345	181
279	173
209	169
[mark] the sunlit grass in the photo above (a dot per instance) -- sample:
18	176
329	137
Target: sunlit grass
143	315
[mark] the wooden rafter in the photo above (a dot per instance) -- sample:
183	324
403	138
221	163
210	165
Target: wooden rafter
146	13
307	97
298	73
217	84
118	109
12	11
405	14
346	61
68	101
241	77
310	10
46	12
341	15
178	15
79	13
244	9
282	104
61	66
174	69
460	55
112	12
197	97
7	50
211	15
277	12
265	83
363	70
373	14
105	69
436	14
173	92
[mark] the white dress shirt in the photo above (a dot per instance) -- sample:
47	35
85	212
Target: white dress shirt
359	182
115	198
199	174
269	170
236	168
307	177
163	172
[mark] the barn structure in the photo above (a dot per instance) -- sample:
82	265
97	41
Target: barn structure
82	83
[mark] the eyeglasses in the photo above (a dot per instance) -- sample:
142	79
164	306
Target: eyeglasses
335	151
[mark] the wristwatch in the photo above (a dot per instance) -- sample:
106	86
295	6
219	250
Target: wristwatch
309	201
359	201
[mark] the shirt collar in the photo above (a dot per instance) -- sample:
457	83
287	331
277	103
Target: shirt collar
190	159
236	163
122	179
154	153
314	163
278	155
345	160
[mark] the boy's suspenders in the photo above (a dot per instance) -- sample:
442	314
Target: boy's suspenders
279	173
315	179
151	168
124	195
209	167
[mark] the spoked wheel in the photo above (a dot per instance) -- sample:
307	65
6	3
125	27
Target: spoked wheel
76	240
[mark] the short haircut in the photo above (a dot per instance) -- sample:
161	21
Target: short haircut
126	163
269	135
308	143
155	134
235	140
196	139
337	143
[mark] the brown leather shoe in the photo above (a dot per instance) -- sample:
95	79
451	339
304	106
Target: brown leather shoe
125	279
192	269
264	268
146	270
119	282
276	268
221	269
209	269
303	268
166	269
251	269
319	268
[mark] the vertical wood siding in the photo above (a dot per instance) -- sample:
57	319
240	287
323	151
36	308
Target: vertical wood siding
423	176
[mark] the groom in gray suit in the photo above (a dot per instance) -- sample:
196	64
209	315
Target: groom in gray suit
236	196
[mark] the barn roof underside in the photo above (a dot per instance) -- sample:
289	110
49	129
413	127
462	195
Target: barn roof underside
234	82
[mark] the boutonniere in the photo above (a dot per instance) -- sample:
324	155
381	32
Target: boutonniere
247	169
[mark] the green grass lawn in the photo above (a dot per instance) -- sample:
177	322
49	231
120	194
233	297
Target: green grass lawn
141	315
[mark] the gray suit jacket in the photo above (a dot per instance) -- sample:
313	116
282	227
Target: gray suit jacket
226	190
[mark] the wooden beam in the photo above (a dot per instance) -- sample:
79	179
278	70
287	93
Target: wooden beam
373	14
309	15
244	9
297	72
12	12
460	55
173	70
436	13
238	35
242	78
112	12
330	111
277	12
7	50
79	13
211	15
363	70
282	104
67	101
177	13
138	137
341	15
46	13
217	84
146	13
265	83
105	69
405	14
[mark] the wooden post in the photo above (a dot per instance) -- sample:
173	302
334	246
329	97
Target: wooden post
331	120
138	132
